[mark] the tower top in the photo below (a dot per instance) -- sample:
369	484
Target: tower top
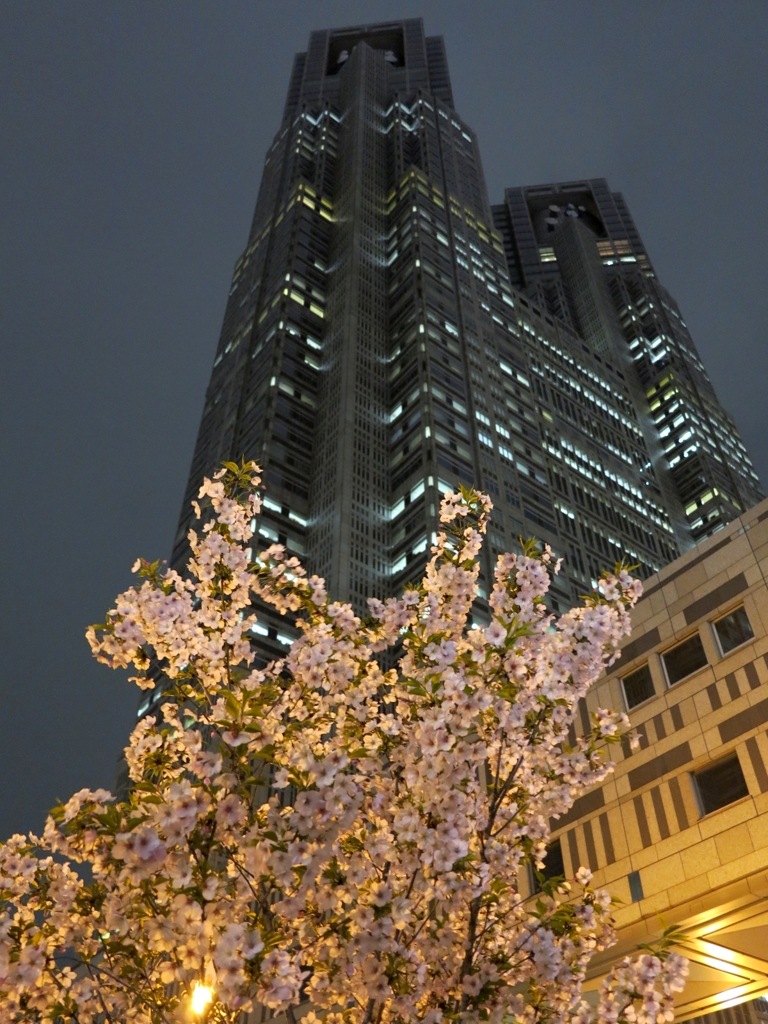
416	61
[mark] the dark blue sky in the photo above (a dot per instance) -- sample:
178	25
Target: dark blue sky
132	142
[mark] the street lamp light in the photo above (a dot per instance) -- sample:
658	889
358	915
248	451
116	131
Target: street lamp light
202	997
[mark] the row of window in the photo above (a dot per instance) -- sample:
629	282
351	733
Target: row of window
682	660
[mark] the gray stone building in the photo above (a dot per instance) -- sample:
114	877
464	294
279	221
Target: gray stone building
575	250
375	349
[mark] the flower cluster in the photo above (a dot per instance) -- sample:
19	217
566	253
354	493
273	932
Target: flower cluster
639	991
326	828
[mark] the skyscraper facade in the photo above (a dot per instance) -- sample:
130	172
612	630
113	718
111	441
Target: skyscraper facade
388	336
575	250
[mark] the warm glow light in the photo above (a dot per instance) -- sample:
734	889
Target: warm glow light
201	997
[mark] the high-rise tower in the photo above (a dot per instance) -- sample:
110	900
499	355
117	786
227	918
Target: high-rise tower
575	250
374	353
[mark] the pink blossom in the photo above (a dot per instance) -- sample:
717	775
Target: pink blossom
402	792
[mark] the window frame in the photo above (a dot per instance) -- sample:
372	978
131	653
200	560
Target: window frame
645	664
679	643
732	755
535	888
713	626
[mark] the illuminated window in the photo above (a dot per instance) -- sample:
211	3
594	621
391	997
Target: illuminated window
638	687
733	630
684	659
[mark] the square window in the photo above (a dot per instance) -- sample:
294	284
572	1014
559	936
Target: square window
638	687
720	785
733	630
554	866
685	659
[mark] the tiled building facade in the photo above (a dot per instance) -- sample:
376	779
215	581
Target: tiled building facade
680	831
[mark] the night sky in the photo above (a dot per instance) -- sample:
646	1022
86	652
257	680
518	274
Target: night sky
133	136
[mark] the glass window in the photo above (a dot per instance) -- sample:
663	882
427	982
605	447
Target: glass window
683	660
638	686
733	630
554	866
721	784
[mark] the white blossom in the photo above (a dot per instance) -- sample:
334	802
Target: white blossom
325	824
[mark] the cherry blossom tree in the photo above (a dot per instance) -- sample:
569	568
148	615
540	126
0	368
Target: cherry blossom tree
326	830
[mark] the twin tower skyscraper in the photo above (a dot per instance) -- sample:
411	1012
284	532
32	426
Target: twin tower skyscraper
389	333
